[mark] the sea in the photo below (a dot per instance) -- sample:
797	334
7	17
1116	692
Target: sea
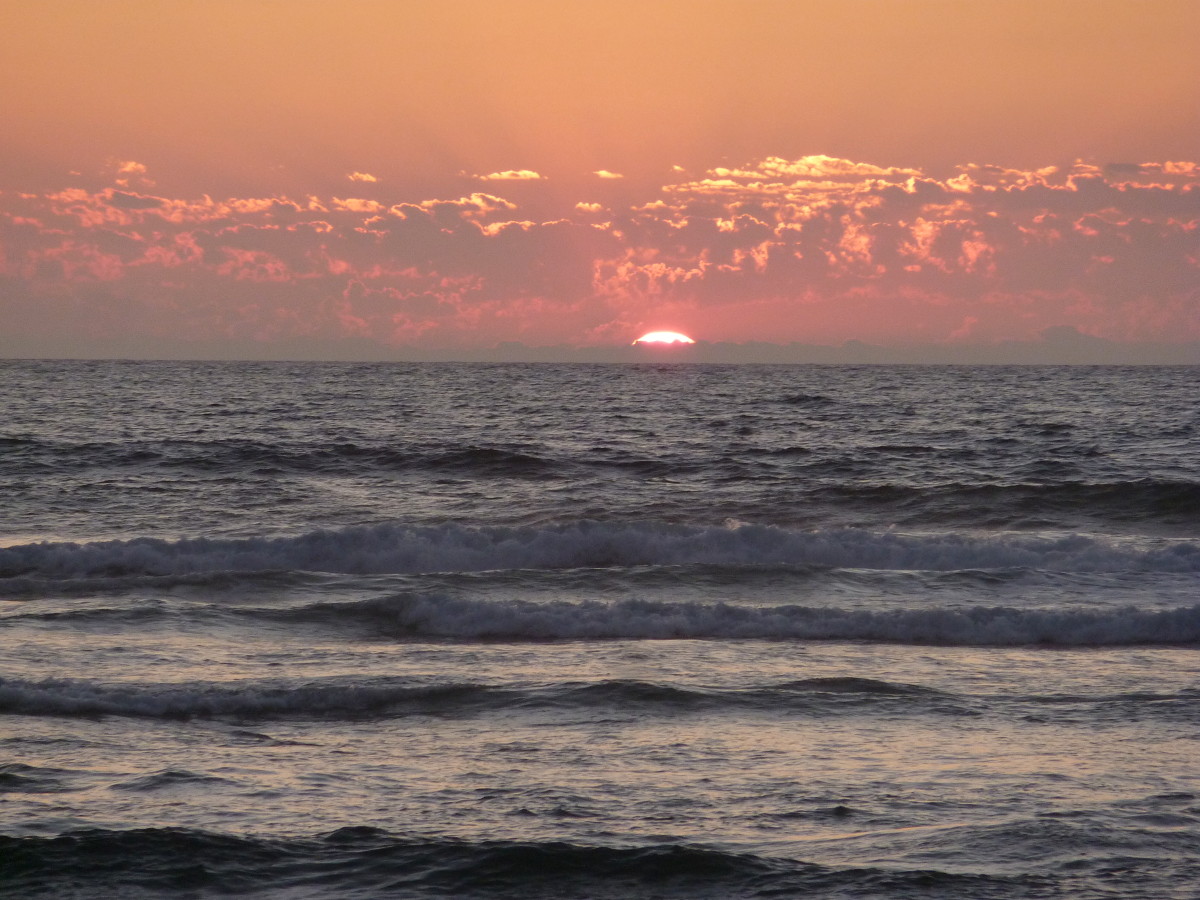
661	630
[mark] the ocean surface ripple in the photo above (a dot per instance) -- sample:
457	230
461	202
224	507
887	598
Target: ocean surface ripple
676	631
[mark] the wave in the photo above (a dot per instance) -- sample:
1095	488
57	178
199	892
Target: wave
416	616
392	697
168	778
341	699
467	619
246	455
228	583
811	400
1151	500
70	697
18	778
402	549
363	862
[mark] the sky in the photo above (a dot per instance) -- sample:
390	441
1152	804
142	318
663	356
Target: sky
255	178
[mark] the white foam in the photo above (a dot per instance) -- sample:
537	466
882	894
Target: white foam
454	548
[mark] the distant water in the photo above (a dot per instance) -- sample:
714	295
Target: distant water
306	630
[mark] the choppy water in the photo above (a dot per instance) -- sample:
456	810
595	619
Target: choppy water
420	631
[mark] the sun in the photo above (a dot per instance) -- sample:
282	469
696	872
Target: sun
663	337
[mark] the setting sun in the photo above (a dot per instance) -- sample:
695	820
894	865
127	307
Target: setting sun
664	337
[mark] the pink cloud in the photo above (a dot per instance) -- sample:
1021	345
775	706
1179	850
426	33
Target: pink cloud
129	171
511	175
816	249
358	205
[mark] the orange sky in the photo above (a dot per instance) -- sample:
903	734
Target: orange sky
199	114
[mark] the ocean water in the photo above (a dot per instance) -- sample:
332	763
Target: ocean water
673	631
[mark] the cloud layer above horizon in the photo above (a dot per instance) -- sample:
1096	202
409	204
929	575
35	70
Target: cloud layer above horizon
816	249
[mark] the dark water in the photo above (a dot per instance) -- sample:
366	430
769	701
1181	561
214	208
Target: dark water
314	630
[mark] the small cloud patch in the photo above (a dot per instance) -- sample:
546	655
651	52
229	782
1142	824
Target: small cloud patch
512	175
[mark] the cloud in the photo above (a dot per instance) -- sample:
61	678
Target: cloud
813	168
128	171
818	249
358	204
362	176
512	175
125	200
604	173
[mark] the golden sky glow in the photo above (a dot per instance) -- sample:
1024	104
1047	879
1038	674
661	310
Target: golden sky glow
237	87
462	173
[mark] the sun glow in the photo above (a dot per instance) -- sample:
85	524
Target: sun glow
664	337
